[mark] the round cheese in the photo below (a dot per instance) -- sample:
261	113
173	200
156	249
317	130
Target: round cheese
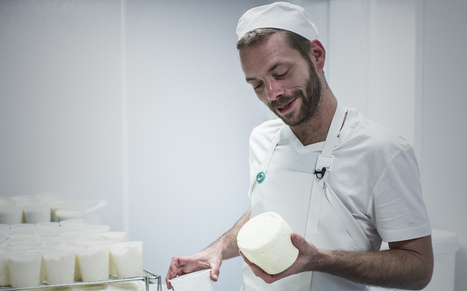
265	241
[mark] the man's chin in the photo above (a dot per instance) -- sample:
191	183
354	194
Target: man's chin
290	121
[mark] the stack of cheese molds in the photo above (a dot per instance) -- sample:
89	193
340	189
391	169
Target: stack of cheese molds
60	248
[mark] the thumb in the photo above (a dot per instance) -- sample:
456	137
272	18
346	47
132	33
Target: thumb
214	273
298	241
215	270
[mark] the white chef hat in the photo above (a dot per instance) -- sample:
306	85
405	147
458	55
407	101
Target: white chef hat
281	15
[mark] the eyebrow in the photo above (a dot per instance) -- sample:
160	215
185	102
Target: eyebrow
272	68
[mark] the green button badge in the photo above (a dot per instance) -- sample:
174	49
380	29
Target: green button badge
260	177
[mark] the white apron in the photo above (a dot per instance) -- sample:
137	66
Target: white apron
313	210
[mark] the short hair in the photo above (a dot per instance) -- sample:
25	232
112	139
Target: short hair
260	35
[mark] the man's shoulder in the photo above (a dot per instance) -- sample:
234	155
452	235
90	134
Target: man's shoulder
372	136
268	127
263	134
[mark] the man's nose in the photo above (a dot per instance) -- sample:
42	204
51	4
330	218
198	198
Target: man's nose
273	90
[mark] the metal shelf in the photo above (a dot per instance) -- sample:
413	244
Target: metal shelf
147	278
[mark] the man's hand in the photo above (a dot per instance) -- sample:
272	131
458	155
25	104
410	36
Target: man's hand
210	258
207	259
307	254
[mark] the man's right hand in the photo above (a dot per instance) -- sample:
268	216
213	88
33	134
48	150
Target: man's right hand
206	259
211	257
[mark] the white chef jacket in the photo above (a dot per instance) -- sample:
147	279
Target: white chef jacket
374	173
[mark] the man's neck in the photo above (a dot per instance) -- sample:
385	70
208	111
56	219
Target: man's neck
316	129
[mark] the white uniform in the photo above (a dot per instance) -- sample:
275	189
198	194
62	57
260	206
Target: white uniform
374	175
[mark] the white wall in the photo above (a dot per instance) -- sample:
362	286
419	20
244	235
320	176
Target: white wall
444	158
371	59
60	113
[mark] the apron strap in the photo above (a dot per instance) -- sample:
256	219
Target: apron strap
267	159
323	165
324	162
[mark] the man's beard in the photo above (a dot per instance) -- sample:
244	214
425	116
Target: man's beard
310	99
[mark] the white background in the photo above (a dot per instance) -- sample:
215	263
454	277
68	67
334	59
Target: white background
143	103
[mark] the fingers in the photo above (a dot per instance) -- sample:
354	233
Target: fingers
263	275
184	265
244	258
176	268
304	248
167	278
258	271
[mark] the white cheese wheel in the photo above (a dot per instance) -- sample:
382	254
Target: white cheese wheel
265	241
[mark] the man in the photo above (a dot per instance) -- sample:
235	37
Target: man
363	179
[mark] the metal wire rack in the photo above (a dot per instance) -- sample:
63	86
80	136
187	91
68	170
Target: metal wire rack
147	277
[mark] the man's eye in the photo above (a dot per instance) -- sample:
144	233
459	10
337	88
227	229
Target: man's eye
282	75
257	86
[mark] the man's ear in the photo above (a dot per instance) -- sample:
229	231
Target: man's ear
317	54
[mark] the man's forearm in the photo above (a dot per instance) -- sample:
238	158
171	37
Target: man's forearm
227	243
394	268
